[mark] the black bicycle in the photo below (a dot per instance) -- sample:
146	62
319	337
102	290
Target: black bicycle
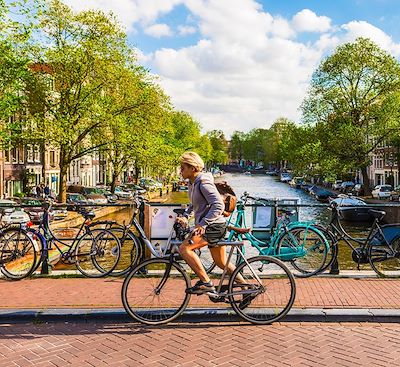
94	252
381	248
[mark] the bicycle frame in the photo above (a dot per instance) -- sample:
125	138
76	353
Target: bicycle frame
270	248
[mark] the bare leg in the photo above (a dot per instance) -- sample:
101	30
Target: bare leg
219	256
186	250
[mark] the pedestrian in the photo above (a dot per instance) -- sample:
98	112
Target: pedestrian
38	191
46	191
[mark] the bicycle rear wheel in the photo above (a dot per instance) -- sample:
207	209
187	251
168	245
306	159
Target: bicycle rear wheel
17	253
131	251
385	259
97	253
312	248
154	291
262	290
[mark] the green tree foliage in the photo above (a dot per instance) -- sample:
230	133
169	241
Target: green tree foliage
353	103
219	147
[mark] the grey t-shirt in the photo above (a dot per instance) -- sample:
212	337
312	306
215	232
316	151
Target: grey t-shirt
205	201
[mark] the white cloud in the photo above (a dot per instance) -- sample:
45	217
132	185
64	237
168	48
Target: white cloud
248	68
158	30
307	21
356	29
129	12
186	30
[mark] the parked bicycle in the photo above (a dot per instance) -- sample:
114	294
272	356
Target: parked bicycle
380	249
299	243
94	252
18	253
261	290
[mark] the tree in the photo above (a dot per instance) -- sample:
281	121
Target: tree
219	146
354	98
82	54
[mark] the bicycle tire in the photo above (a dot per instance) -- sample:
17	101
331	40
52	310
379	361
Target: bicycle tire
20	255
265	306
382	260
131	251
333	248
139	281
310	263
90	246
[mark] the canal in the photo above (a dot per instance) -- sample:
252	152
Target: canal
265	187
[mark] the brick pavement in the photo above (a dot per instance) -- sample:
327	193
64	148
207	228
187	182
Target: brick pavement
113	344
88	293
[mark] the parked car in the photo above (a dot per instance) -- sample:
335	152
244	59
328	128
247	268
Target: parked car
92	194
35	209
346	186
134	188
111	198
122	194
358	190
285	177
74	200
395	194
149	184
11	214
337	184
382	191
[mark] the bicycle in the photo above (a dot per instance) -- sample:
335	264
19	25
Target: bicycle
95	253
381	247
18	253
300	243
134	241
261	290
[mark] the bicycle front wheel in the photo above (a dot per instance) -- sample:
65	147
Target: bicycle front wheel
385	259
17	253
307	251
262	290
97	253
154	291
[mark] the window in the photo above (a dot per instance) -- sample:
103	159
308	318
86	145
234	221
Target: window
52	158
13	155
7	156
29	153
37	153
21	154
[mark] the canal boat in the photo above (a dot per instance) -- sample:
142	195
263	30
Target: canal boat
353	209
296	182
324	195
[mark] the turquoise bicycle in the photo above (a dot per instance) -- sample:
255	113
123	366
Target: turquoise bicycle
299	243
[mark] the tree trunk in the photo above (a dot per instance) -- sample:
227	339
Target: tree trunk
136	175
62	185
114	181
367	189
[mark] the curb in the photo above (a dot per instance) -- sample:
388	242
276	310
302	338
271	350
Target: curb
199	315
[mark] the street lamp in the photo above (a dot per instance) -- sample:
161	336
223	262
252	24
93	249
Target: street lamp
390	163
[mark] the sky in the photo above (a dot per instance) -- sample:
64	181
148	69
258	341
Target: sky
241	64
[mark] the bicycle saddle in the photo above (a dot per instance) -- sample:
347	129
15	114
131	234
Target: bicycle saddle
87	214
179	211
377	214
238	229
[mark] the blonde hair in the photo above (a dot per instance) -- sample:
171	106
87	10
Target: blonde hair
192	159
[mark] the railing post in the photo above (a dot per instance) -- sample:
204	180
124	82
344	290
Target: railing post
44	270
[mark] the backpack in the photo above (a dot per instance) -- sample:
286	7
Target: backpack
228	197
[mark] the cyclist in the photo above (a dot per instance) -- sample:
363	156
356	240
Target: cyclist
210	225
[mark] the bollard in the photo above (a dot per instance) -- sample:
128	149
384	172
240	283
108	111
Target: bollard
335	265
44	270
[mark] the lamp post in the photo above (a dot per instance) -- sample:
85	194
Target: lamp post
390	162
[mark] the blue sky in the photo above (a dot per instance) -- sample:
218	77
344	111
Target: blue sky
241	64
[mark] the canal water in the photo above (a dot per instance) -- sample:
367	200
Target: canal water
266	187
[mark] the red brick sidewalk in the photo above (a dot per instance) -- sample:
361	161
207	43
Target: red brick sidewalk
190	345
89	293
